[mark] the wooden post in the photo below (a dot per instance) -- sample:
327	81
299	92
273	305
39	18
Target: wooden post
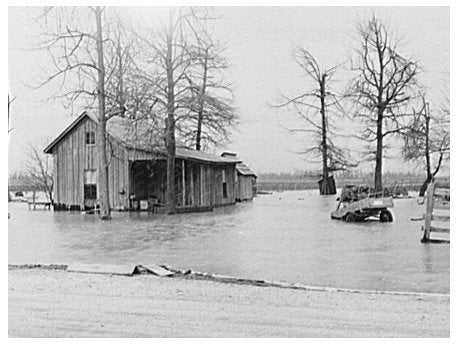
429	211
183	182
201	185
192	185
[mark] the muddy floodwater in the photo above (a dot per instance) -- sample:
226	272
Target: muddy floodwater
286	236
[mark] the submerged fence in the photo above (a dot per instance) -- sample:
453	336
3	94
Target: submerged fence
437	214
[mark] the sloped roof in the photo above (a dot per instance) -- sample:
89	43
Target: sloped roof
77	121
244	170
188	153
240	167
140	138
135	136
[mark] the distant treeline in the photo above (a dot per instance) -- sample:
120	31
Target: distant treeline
306	180
21	182
300	180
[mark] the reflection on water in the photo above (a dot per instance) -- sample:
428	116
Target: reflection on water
284	236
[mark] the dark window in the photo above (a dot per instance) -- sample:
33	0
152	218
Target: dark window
224	184
90	138
224	189
90	191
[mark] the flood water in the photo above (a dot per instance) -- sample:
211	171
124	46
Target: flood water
285	236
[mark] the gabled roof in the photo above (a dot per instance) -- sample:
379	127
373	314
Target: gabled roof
140	138
73	125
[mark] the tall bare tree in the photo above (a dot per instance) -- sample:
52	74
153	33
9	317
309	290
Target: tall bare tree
382	88
165	68
428	138
317	107
77	39
102	126
211	114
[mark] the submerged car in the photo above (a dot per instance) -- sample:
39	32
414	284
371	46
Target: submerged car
358	203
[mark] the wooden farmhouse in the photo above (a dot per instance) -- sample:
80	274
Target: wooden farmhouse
137	171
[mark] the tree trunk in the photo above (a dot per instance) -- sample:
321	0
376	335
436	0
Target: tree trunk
378	185
379	152
326	188
101	128
170	146
429	175
202	103
424	187
49	189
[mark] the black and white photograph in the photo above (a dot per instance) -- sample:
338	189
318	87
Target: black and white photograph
228	171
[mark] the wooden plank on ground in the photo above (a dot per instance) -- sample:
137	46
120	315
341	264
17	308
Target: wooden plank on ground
107	269
158	270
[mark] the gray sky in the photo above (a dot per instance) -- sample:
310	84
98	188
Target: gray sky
260	42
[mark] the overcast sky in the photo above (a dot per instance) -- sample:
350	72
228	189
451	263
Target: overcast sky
259	46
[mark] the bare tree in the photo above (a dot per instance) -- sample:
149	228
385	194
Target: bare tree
77	39
167	69
317	107
382	89
101	127
428	139
39	171
211	114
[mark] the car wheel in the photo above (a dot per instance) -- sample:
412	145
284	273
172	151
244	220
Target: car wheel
350	217
386	216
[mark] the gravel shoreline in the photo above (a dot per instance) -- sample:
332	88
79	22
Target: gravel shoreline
51	302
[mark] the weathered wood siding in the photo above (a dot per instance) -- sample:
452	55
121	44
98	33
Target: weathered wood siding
72	157
217	181
118	176
244	187
203	184
207	196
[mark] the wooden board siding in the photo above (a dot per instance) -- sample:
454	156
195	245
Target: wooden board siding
70	160
203	184
244	188
207	185
72	157
217	184
118	173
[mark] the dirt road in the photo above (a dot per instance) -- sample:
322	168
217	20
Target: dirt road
45	303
